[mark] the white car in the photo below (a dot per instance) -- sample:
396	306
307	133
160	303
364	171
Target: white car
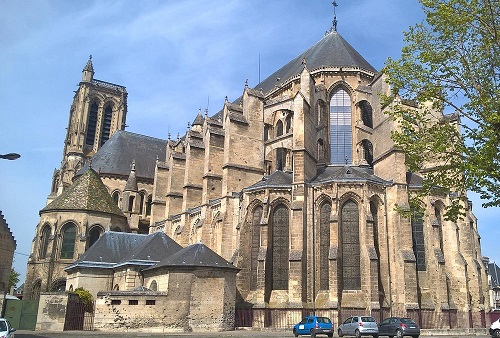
6	330
495	328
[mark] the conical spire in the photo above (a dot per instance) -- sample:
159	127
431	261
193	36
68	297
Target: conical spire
88	71
131	184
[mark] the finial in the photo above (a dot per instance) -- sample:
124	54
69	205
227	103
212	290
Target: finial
189	125
246	83
225	99
132	167
334	22
206	113
304	62
169	136
90	57
178	136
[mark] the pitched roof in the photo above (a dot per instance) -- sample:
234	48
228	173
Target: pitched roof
494	272
87	193
115	249
194	256
347	174
331	51
278	179
116	155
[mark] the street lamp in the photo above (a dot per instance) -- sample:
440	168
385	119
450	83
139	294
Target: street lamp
10	156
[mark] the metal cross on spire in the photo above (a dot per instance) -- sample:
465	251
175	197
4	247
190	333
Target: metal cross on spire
334	22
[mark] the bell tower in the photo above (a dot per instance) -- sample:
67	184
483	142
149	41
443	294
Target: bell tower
98	110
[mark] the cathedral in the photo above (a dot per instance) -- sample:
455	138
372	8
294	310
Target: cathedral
295	184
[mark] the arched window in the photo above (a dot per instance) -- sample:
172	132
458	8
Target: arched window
266	132
320	112
92	124
280	158
368	151
130	203
366	113
350	258
148	205
254	254
280	248
44	241
141	203
340	127
106	124
94	235
279	128
68	241
437	213
324	245
153	286
116	197
417	231
288	122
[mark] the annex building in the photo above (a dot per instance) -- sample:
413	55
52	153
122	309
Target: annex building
294	184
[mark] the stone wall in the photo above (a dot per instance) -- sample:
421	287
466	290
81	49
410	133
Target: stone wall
52	311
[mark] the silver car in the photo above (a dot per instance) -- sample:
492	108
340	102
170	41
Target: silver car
359	326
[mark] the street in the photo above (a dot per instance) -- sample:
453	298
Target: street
237	333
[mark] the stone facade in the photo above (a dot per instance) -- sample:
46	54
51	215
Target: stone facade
297	184
8	245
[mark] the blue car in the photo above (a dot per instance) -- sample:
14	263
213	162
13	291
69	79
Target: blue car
314	325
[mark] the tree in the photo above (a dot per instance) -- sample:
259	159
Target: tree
13	278
86	298
450	63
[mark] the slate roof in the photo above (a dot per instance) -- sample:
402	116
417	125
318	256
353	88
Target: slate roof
331	51
494	272
115	249
116	155
87	193
194	256
413	180
278	179
347	174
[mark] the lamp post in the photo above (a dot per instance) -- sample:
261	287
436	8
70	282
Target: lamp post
10	156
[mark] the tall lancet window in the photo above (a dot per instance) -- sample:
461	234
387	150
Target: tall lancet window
92	123
340	127
106	124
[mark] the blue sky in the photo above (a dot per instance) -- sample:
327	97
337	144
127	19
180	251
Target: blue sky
174	57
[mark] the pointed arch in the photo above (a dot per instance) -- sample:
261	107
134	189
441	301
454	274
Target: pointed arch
340	126
106	123
279	267
44	241
350	246
92	123
279	128
366	113
68	234
324	245
95	233
256	243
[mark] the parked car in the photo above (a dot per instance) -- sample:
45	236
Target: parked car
359	326
495	328
6	330
314	325
399	327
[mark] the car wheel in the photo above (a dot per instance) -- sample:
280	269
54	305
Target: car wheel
375	336
399	334
313	334
330	335
496	333
415	336
357	334
295	333
340	333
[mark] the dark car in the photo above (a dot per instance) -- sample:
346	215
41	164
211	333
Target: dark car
399	327
314	325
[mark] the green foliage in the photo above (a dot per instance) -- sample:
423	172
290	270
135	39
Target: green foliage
451	62
13	278
86	298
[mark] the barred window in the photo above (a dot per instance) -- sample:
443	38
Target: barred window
324	245
351	272
280	253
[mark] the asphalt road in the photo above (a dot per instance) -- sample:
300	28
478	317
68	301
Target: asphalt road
238	333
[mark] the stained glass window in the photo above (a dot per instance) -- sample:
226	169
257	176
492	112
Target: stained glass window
68	241
280	251
324	245
257	214
340	127
351	272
